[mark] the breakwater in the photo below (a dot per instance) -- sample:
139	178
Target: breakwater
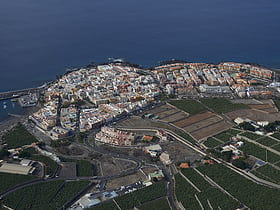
18	93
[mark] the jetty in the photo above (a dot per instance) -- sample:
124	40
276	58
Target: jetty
14	115
18	93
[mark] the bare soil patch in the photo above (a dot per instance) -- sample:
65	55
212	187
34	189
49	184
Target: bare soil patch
193	119
211	130
255	115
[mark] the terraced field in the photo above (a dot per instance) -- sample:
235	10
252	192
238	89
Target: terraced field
253	195
266	141
207	122
251	136
210	197
268	172
222	105
18	136
193	119
276	147
212	142
258	152
167	113
269	108
211	130
189	106
9	180
175	117
50	195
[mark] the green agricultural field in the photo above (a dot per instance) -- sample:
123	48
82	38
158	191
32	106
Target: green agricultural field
81	137
251	136
9	180
110	205
269	171
83	167
258	152
222	105
185	193
278	164
276	135
272	157
161	204
253	195
36	196
225	137
216	197
69	190
277	103
27	153
185	136
195	178
51	165
142	196
233	132
44	196
261	176
211	142
31	150
18	136
189	106
276	147
266	141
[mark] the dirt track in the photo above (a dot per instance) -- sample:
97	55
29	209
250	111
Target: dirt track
253	114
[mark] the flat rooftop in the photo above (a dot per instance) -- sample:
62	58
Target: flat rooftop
15	168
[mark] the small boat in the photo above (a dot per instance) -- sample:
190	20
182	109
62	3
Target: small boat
5	106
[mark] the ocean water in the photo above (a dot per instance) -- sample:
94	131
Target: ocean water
40	39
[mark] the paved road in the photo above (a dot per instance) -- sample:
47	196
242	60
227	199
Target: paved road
230	166
213	183
138	164
169	188
260	145
137	167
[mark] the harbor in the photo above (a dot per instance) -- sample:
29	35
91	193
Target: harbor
8	107
17	93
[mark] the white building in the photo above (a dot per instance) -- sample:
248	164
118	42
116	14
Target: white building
165	158
214	89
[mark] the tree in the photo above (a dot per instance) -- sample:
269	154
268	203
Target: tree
270	127
41	144
247	126
4	153
65	104
240	163
226	156
24	154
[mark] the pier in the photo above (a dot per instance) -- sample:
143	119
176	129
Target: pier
15	115
18	93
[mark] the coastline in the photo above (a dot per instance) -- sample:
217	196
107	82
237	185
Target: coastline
68	70
11	121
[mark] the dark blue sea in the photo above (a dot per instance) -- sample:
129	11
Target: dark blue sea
41	39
